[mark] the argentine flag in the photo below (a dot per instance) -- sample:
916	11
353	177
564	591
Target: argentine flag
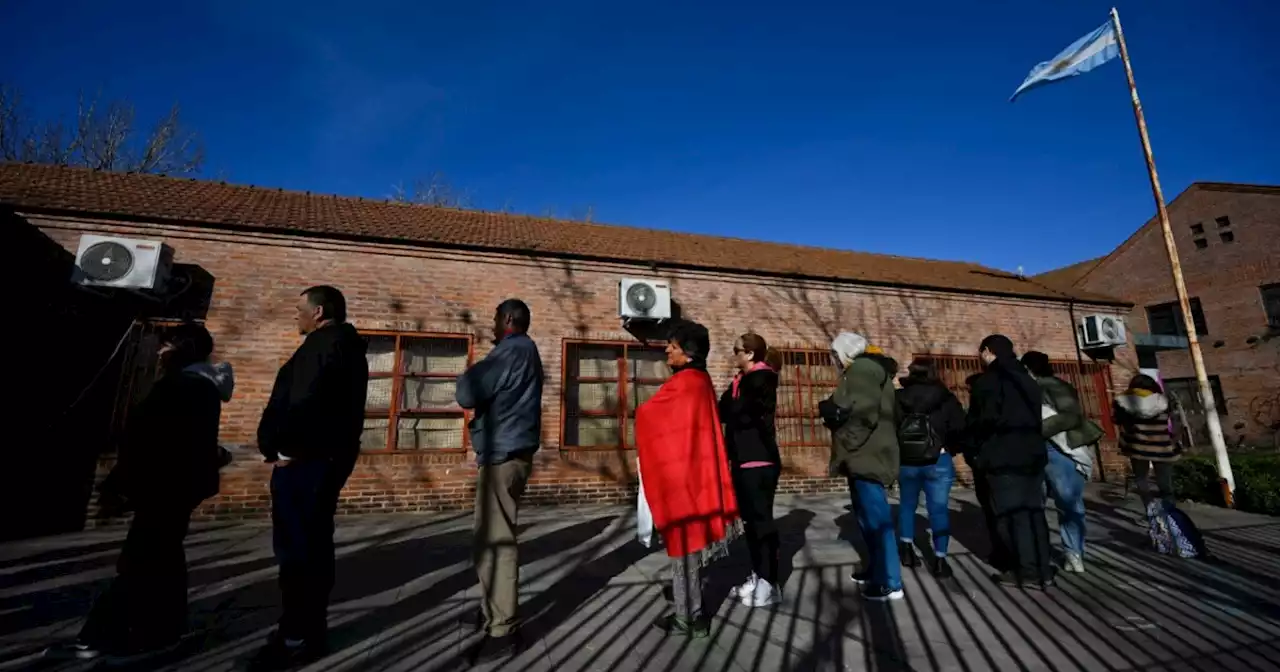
1083	55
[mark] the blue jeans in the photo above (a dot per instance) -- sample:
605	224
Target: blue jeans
935	480
875	521
1066	487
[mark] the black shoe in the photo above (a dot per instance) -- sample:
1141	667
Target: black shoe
860	578
473	619
1008	579
77	650
492	649
907	554
134	655
671	624
941	569
279	654
881	594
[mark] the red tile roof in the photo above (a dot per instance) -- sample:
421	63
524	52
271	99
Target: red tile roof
135	197
1067	276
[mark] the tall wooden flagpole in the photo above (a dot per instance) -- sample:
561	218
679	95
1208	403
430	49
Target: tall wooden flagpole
1193	343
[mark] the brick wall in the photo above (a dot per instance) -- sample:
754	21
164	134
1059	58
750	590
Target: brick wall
258	277
1226	278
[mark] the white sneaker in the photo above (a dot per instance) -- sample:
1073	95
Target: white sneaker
747	588
1073	563
764	594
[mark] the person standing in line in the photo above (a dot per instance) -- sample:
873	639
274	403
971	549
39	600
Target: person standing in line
747	410
168	464
1069	437
861	414
686	475
1003	428
504	392
999	557
930	419
310	433
1142	414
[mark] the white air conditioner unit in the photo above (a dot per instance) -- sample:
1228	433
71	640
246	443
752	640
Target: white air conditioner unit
644	299
1101	331
126	263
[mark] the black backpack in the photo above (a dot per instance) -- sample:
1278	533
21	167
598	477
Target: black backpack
918	444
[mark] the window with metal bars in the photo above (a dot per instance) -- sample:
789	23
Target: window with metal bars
604	383
139	369
808	376
1271	304
412	380
1091	380
1165	319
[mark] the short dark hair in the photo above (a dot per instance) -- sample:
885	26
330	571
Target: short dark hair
330	301
191	343
921	368
518	312
1038	364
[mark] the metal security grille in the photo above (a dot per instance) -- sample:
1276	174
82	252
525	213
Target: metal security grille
807	377
1091	380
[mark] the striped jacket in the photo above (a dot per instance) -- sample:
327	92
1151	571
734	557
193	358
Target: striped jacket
1143	419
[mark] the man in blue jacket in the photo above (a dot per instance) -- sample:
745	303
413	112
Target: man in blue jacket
504	393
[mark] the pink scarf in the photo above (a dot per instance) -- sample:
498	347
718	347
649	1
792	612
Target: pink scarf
754	367
734	384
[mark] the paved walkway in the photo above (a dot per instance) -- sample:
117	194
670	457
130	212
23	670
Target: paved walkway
589	594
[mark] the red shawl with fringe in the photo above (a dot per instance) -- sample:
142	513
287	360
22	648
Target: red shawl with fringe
684	465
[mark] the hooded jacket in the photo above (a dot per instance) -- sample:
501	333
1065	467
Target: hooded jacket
1003	426
170	454
865	445
931	397
1143	418
317	405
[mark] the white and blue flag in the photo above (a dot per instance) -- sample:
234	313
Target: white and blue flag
1083	55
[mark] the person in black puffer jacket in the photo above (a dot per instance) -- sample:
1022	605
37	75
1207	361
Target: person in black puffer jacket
1004	444
930	418
167	465
747	410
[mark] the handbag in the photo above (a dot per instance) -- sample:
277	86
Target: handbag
645	533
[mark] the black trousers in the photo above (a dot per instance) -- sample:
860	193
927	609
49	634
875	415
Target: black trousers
755	489
304	499
145	606
1000	555
1017	502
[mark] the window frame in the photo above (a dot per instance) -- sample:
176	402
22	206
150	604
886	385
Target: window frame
1272	321
397	376
133	369
816	390
1197	317
1215	387
1096	391
624	380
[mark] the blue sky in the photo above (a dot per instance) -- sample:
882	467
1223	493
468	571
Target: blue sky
873	128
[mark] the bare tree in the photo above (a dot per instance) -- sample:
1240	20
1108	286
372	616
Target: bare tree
102	136
435	190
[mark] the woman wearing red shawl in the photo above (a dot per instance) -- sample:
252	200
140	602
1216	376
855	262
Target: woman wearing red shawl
686	474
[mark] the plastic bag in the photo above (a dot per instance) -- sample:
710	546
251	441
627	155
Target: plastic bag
645	533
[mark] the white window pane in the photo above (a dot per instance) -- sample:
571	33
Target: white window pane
427	393
374	436
379	395
430	433
434	355
381	353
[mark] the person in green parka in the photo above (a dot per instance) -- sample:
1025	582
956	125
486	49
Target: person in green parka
861	414
1069	437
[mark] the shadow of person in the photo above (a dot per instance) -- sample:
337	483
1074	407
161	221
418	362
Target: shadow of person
969	528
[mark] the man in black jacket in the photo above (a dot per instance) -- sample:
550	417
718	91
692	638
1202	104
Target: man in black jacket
504	392
1005	446
310	431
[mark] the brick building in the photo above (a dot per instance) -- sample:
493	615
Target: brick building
1228	238
422	281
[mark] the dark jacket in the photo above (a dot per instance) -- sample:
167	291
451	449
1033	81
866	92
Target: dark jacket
317	405
865	445
505	392
1003	428
749	431
169	456
932	398
1070	418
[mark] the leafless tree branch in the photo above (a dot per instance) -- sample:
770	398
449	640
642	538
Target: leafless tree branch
434	190
103	138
